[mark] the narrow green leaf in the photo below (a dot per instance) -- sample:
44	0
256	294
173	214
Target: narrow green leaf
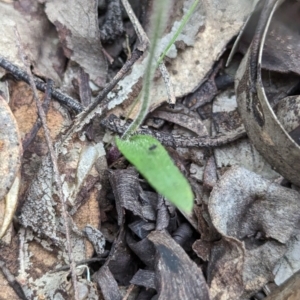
152	160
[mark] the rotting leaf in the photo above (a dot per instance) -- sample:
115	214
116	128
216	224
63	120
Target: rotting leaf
173	266
244	204
44	51
182	116
153	162
125	186
224	274
80	40
10	148
258	215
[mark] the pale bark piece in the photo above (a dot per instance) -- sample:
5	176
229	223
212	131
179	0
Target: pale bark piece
10	148
96	237
290	262
11	202
38	38
210	173
55	285
78	30
289	290
212	25
177	277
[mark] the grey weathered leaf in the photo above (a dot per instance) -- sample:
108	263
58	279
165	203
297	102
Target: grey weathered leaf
260	216
38	36
79	33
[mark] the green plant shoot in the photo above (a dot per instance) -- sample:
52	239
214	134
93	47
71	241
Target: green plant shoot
153	161
145	152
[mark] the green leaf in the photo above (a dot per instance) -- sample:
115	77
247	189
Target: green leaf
153	161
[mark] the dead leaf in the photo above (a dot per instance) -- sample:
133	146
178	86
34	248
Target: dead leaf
173	266
39	37
262	216
80	39
211	27
182	116
288	291
10	148
226	119
108	284
11	203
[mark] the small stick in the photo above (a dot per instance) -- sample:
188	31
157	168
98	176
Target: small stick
12	281
144	41
114	124
94	109
29	137
82	262
57	178
40	85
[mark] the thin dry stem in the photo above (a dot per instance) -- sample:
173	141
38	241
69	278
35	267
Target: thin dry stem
53	156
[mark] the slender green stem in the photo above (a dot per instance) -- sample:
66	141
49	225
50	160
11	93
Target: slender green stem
178	31
147	82
157	28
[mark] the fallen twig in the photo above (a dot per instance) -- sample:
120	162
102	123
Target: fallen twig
94	109
12	281
40	85
29	137
114	124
